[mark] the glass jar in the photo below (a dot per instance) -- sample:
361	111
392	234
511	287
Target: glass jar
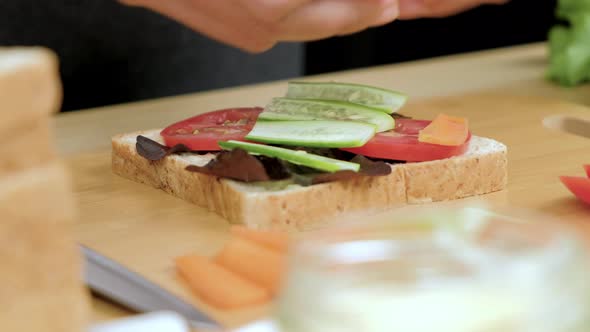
454	270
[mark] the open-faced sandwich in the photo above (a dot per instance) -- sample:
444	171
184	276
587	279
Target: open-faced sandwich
324	149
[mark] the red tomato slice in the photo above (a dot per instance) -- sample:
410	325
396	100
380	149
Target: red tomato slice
587	168
402	143
202	132
579	186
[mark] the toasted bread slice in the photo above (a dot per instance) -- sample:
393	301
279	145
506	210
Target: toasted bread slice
481	170
30	88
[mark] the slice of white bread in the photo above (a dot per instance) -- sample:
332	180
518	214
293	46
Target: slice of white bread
30	88
482	169
41	277
41	273
32	145
30	91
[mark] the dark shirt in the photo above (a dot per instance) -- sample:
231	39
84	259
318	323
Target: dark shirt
111	53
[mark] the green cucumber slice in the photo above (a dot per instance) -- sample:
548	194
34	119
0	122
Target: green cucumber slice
324	134
312	109
385	100
301	158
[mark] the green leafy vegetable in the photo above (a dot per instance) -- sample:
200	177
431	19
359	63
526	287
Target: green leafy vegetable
569	44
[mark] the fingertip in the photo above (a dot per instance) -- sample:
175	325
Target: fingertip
388	15
258	47
382	12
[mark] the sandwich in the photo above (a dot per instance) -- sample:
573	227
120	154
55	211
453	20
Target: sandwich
322	150
41	282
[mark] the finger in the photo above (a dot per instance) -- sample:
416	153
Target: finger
326	18
219	20
413	9
243	29
272	11
382	17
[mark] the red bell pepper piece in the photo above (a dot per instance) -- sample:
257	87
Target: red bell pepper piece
578	185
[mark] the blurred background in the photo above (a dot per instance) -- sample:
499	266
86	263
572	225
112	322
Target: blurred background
486	27
115	54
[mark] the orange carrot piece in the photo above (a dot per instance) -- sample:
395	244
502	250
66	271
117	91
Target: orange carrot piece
218	286
254	262
271	239
445	130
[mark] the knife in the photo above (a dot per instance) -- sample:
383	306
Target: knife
125	287
569	124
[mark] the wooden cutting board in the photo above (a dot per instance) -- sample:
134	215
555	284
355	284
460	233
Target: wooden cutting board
145	228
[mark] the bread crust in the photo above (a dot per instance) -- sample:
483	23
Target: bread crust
478	172
300	208
475	173
169	175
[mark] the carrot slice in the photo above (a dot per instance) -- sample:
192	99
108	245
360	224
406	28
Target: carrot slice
254	262
445	130
218	286
273	240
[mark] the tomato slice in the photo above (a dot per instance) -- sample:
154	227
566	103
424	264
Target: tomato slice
579	186
587	168
401	143
202	132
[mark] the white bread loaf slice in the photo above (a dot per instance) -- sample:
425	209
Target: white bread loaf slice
30	91
31	146
30	88
41	282
41	277
483	169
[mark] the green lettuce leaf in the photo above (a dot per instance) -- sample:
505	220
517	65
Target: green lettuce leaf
569	44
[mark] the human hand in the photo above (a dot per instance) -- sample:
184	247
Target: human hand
412	9
257	25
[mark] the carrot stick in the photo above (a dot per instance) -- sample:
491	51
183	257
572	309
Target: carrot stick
274	240
254	262
445	130
218	286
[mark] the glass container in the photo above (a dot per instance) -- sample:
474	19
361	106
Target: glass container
467	269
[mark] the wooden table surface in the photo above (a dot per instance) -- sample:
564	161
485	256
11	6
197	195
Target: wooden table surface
503	92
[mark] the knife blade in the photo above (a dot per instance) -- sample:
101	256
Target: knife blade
568	124
127	288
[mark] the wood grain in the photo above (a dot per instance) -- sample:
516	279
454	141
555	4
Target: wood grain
145	228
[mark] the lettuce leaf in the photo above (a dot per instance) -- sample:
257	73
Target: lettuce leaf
569	44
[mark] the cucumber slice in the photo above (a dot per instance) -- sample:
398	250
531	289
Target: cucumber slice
324	134
314	109
388	101
296	157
